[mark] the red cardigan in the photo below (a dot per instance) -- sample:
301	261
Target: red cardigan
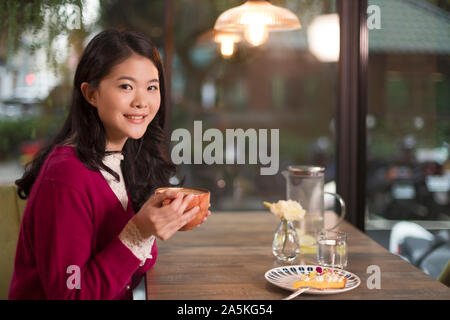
73	218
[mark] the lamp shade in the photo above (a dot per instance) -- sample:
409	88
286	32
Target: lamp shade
260	12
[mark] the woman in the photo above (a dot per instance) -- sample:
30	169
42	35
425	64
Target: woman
80	237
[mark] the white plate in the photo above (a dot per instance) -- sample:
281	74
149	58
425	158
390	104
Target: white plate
284	277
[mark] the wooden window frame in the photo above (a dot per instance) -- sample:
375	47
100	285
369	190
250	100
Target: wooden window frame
352	109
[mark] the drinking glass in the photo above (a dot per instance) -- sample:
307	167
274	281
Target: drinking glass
329	244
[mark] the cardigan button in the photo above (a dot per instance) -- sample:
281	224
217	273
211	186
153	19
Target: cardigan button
128	287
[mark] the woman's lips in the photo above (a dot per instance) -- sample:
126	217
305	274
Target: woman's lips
136	119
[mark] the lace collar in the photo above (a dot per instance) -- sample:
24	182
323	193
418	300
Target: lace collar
113	156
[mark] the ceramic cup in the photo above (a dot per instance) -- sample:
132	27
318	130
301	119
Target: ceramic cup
201	199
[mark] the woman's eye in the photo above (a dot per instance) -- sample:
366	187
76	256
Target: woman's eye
125	86
153	88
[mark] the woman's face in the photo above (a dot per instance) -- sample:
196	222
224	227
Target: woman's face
127	99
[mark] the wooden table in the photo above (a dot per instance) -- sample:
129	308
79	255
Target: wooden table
226	259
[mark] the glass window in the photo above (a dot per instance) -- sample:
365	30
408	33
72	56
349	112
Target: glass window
284	84
279	85
408	121
39	49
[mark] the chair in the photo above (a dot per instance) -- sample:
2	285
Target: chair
11	211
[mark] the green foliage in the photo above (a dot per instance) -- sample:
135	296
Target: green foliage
43	20
12	134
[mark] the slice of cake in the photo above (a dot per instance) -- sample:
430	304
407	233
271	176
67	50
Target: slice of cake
321	279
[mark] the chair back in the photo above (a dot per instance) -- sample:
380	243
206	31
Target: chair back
11	212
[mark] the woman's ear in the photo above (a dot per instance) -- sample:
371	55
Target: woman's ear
89	93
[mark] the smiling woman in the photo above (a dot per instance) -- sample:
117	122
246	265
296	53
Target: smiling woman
79	192
122	100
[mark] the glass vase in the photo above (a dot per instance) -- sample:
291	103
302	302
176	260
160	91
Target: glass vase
285	245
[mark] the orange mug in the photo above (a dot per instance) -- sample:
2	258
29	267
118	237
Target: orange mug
201	199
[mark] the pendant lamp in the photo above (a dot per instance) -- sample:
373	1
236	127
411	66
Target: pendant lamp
256	18
227	41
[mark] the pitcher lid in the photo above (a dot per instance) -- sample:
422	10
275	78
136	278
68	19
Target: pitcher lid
306	170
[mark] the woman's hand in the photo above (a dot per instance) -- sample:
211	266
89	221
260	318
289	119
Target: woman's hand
209	212
163	222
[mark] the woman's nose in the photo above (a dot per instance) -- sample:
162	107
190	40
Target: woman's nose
139	105
139	101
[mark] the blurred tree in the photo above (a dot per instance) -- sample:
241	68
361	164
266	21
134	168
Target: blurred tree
43	20
25	27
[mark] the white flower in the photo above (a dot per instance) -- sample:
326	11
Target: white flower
287	209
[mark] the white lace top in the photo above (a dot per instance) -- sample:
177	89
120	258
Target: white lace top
130	235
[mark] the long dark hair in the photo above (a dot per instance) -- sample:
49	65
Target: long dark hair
146	164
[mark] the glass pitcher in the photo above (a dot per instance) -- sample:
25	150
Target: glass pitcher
305	184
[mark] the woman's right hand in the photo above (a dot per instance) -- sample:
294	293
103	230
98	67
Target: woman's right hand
164	221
